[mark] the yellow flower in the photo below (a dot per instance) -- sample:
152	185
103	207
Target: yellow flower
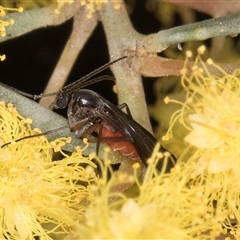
92	5
166	207
211	113
201	136
4	23
34	189
212	109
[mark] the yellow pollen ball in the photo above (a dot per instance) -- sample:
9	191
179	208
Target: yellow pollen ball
28	120
195	68
189	54
2	57
201	50
2	12
92	155
166	100
166	154
165	137
136	166
209	61
183	71
160	155
20	9
150	161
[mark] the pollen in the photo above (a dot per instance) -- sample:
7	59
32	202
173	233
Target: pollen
212	156
166	100
92	155
189	54
38	196
209	61
5	23
2	57
166	137
201	50
160	155
165	206
3	10
183	71
20	9
91	5
136	165
167	154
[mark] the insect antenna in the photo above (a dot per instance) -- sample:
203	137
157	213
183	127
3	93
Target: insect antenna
80	83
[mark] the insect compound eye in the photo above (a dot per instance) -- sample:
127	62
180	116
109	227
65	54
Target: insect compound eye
62	100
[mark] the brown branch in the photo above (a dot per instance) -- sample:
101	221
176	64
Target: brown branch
82	29
37	18
150	65
120	37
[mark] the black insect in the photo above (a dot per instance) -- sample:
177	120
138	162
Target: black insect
88	112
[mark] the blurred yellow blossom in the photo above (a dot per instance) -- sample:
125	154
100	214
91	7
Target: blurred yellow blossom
34	189
212	109
201	136
5	23
166	207
92	5
70	199
211	113
2	57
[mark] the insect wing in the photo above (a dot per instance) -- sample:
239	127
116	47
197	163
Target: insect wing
143	141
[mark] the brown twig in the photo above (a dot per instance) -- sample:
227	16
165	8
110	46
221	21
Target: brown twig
82	29
151	65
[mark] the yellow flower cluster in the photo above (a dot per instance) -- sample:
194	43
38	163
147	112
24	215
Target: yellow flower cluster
4	23
30	4
197	199
164	208
211	113
92	5
39	196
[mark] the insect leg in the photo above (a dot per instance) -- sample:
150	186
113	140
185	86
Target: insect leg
36	135
99	138
124	105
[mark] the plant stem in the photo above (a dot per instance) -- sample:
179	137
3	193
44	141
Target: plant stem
121	36
82	29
